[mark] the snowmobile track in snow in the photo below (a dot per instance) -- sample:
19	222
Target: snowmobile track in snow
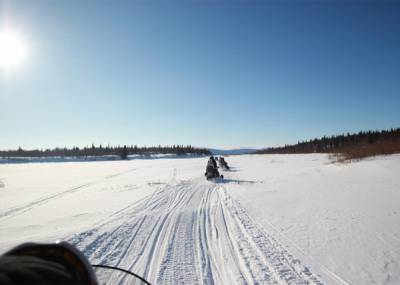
17	210
191	232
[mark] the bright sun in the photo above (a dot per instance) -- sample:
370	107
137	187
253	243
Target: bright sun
13	50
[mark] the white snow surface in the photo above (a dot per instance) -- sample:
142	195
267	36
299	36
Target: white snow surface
274	219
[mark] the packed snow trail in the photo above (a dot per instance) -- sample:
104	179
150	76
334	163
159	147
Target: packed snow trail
191	232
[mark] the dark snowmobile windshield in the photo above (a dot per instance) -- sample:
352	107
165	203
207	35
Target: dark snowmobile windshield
109	275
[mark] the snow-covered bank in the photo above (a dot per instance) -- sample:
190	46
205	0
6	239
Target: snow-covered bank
342	219
272	216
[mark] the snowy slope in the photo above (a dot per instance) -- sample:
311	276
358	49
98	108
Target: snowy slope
276	219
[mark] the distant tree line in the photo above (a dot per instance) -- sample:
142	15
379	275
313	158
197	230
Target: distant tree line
335	144
88	151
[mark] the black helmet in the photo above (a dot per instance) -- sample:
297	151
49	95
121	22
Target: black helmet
56	263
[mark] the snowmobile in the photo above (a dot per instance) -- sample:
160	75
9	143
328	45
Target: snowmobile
222	163
58	263
212	170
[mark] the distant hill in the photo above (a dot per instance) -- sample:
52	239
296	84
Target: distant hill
232	151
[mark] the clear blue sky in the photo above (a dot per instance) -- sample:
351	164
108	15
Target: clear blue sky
206	73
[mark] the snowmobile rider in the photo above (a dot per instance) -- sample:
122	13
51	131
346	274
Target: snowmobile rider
223	163
212	161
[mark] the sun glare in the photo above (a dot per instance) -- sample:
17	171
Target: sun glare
13	50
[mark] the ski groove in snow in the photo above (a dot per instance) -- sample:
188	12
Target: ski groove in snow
191	232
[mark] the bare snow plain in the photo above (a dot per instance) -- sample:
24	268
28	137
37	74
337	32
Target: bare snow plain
274	219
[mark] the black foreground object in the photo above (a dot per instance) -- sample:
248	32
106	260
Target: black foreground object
33	270
58	263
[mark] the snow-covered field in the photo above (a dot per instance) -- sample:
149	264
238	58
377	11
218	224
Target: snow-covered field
275	218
